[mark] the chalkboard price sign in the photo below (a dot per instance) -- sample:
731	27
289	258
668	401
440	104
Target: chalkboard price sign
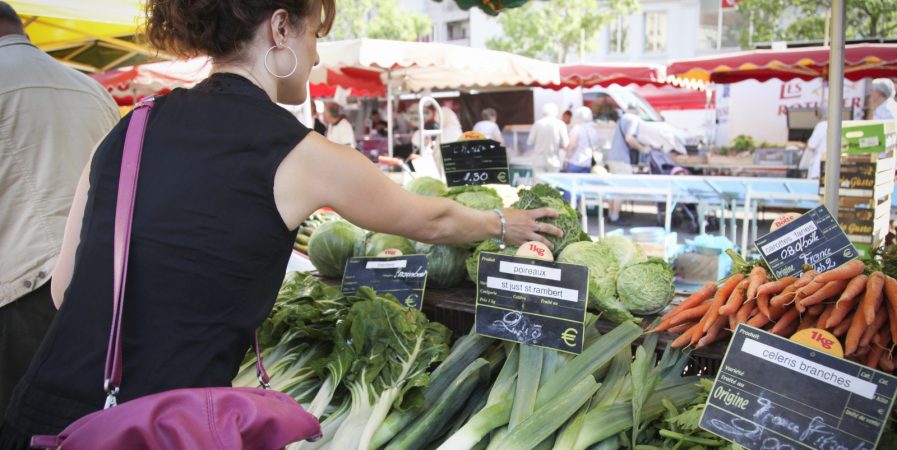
475	162
814	238
772	393
405	277
532	302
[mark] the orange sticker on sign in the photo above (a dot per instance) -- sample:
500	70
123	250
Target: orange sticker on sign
390	252
821	340
535	250
782	220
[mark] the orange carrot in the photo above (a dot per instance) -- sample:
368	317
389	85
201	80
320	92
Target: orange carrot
842	309
809	289
844	325
872	298
882	338
775	287
873	357
758	321
862	351
855	332
690	314
733	304
872	330
886	363
695	299
891	294
828	291
746	311
823	318
757	277
806	278
854	287
845	272
713	333
785	297
790	316
807	321
719	299
816	310
776	312
763	304
684	339
681	328
698	331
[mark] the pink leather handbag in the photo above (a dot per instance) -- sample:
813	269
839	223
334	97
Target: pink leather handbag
201	418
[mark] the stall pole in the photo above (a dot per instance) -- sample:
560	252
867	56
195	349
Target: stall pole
835	96
389	118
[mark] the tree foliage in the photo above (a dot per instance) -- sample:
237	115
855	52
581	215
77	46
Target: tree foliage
798	20
378	19
552	30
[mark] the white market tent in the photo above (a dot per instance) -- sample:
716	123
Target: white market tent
423	66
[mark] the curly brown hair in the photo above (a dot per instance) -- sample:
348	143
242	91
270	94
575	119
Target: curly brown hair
220	28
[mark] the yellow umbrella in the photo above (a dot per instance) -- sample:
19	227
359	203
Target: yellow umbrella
89	35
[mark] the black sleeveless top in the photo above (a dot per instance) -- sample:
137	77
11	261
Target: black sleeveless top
208	254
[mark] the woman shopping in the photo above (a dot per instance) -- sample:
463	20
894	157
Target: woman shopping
225	178
583	142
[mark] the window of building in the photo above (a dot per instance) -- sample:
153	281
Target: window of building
458	30
710	35
656	24
617	39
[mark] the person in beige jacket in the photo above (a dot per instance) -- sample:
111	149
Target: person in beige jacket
51	117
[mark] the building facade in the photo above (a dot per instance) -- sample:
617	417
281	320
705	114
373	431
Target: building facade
660	31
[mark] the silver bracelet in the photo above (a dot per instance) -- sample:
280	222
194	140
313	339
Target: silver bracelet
501	219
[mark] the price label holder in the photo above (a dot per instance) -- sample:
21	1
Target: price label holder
475	162
532	302
772	393
814	238
405	277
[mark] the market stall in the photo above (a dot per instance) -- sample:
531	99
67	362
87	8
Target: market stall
425	66
472	399
89	36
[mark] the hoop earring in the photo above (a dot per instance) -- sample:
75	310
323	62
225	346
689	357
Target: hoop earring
295	62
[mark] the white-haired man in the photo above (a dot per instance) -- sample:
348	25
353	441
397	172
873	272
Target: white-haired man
548	139
881	100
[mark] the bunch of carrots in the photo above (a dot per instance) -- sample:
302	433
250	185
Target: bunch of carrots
860	309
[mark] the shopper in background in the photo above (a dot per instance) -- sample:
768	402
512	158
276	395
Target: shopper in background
339	129
51	117
489	126
451	126
816	145
226	177
377	125
320	127
548	138
583	142
567	118
882	101
619	159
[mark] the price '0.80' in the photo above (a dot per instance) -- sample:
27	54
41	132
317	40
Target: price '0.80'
476	177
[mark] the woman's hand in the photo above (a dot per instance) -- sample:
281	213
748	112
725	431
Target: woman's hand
523	226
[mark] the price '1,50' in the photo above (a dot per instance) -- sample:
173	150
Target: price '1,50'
476	177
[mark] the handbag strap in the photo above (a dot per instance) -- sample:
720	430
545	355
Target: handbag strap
124	213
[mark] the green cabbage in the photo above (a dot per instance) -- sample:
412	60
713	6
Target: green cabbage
332	244
543	195
477	197
626	251
428	186
378	242
603	270
446	264
646	287
490	246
